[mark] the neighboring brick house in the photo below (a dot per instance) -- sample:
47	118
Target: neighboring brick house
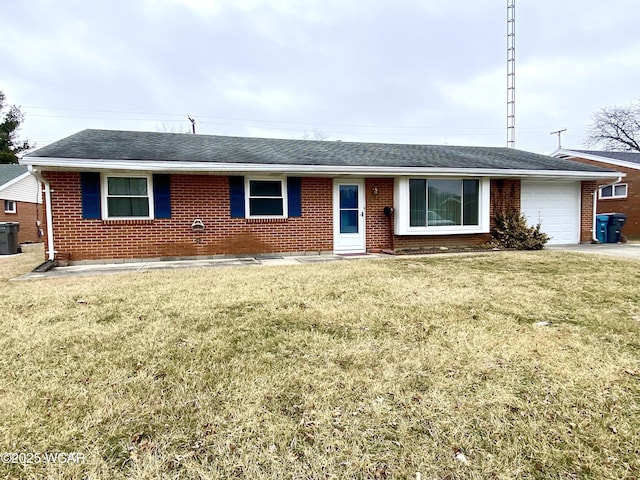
142	195
623	196
21	201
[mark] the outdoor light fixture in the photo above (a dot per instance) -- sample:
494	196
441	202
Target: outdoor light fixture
375	191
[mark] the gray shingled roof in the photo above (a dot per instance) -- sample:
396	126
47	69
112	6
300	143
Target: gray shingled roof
10	171
632	157
149	146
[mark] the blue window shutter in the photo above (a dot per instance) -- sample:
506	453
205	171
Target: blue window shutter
161	196
90	189
236	196
294	196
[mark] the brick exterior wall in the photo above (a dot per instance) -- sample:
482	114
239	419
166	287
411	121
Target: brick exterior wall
27	213
206	197
586	215
629	206
192	196
505	196
378	235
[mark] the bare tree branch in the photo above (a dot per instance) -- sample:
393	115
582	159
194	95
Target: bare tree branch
318	135
615	128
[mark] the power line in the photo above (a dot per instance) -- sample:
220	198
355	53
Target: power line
179	116
294	125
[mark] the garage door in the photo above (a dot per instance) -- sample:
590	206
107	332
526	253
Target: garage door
556	206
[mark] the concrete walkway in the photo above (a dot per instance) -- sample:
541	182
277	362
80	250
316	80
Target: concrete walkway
137	267
622	250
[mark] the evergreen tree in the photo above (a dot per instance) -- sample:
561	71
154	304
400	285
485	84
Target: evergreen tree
10	146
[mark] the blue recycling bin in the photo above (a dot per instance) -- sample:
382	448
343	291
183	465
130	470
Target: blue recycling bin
602	227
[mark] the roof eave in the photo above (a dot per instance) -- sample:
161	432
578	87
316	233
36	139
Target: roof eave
596	158
170	166
14	180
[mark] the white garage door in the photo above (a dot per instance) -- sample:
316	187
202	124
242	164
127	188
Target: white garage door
556	206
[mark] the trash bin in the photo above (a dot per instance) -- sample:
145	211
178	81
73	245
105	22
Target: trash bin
602	226
616	222
9	237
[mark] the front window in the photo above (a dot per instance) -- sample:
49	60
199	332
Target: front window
10	206
443	202
266	198
619	190
127	197
441	206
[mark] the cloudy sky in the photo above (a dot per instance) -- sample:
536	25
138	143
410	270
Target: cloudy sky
401	71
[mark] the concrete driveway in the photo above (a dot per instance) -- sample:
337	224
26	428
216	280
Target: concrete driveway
623	250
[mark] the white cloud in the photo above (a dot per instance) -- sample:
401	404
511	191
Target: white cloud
380	70
481	92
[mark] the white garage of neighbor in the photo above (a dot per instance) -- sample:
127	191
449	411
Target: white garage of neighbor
556	206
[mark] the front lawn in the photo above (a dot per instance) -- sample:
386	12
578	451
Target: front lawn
506	365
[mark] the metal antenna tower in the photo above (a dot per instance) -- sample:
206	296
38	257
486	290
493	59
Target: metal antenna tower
511	73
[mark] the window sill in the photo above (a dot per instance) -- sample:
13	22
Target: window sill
266	220
127	221
442	231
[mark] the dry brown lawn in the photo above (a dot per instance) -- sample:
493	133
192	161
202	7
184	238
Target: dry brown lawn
430	367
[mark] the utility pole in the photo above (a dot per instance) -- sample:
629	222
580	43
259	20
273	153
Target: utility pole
193	124
559	133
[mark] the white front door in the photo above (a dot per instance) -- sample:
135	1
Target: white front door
348	216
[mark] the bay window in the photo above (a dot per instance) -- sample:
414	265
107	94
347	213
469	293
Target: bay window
442	205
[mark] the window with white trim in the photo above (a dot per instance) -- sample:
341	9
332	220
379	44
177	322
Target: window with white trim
443	202
10	206
266	198
127	197
619	190
436	206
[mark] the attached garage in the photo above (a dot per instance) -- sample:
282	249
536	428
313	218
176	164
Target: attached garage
556	206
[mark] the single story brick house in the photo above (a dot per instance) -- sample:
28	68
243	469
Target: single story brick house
21	201
623	196
148	195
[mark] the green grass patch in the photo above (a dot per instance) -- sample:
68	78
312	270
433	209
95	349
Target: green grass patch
354	369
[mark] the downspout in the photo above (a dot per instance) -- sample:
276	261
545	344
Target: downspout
47	201
594	232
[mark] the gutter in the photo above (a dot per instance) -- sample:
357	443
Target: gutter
594	232
174	166
47	200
